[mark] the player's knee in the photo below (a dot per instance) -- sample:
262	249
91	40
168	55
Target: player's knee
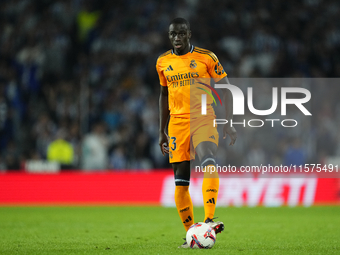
182	180
208	163
208	160
182	173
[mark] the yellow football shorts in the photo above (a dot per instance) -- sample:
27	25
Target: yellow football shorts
185	134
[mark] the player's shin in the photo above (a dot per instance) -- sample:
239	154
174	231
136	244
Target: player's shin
210	186
184	204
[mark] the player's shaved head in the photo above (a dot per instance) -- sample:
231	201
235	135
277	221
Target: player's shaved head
179	35
180	21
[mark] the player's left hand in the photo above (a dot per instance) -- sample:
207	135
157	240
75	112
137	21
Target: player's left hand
231	131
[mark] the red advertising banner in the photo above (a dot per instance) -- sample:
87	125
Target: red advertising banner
82	188
157	188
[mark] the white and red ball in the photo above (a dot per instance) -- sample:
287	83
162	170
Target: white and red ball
201	236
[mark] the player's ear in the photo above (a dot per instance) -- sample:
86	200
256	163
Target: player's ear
189	34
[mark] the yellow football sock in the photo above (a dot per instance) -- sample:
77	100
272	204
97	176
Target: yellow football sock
184	206
210	187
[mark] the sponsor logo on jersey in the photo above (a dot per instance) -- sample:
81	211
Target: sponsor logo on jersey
212	137
211	190
181	76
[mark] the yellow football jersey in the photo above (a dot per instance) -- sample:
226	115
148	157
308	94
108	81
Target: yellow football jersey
185	76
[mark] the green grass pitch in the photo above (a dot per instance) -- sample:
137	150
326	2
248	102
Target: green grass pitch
157	230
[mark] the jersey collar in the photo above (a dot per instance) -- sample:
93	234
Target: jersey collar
191	49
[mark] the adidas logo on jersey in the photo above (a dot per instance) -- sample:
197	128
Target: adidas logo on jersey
211	201
212	137
169	68
187	220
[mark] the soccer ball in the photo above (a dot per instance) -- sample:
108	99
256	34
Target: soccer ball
201	236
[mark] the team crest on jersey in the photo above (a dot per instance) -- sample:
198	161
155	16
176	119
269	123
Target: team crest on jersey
193	64
219	69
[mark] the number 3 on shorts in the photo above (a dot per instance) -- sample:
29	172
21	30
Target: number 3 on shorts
173	147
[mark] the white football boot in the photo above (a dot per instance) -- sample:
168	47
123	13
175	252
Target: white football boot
218	226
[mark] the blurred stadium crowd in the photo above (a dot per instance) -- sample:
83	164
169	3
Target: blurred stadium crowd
79	76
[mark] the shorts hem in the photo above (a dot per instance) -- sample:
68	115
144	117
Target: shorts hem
183	160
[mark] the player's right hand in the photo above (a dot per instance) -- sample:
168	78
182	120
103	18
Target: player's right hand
163	143
231	131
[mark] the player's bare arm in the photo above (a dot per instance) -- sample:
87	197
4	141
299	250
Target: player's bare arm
163	118
228	104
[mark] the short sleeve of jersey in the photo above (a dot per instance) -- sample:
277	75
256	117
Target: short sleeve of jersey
215	68
162	79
